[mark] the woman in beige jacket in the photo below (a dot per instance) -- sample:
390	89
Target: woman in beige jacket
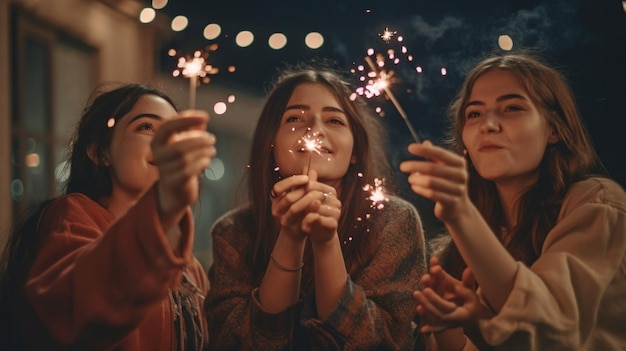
530	215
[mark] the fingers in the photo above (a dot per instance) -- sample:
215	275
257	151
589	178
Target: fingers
433	310
435	153
438	314
286	192
181	149
194	113
302	204
310	202
197	122
442	177
439	164
434	261
184	143
468	279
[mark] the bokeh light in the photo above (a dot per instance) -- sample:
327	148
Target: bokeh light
17	189
147	15
159	4
216	170
212	31
505	42
277	41
179	23
220	108
244	38
32	160
314	40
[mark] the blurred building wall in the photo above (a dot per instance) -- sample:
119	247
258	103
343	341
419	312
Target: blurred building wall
124	50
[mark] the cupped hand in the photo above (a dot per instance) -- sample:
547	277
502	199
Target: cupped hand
446	302
303	206
441	177
322	215
182	149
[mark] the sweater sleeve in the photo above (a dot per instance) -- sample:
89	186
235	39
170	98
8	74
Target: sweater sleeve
377	308
235	317
556	303
94	281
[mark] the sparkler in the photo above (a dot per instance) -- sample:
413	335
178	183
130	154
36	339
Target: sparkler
387	35
195	67
383	82
311	143
376	193
192	68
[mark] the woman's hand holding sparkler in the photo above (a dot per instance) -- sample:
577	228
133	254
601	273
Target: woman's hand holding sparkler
322	217
441	177
182	149
303	206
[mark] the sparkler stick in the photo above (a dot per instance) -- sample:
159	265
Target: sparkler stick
311	144
394	100
192	91
192	68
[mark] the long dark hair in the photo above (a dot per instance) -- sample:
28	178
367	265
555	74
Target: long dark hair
571	159
94	178
370	163
94	131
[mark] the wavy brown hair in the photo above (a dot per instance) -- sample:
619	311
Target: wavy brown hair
368	151
571	159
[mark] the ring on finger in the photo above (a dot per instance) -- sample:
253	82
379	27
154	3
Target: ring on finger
272	194
325	197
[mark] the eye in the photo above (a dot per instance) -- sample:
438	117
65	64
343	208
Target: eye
513	108
145	126
472	114
292	119
335	120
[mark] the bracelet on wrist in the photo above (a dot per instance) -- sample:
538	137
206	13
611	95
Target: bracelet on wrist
283	268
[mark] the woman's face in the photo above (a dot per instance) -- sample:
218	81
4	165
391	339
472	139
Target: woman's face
314	129
505	134
129	155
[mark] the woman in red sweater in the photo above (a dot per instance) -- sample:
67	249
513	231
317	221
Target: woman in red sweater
109	265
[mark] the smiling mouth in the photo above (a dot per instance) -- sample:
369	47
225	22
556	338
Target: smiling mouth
319	150
490	148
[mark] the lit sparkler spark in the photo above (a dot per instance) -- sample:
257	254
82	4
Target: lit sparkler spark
376	193
311	143
387	35
383	83
195	67
375	87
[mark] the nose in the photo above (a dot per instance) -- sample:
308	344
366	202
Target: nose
315	127
491	123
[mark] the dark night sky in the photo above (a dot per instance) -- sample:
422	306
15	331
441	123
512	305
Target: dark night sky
586	39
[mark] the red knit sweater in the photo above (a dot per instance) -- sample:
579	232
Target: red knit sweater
100	284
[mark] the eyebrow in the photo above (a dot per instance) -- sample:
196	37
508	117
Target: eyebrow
145	115
307	107
499	99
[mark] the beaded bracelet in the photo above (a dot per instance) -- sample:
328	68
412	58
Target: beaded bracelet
281	267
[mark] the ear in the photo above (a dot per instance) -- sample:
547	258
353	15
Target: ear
92	154
553	138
